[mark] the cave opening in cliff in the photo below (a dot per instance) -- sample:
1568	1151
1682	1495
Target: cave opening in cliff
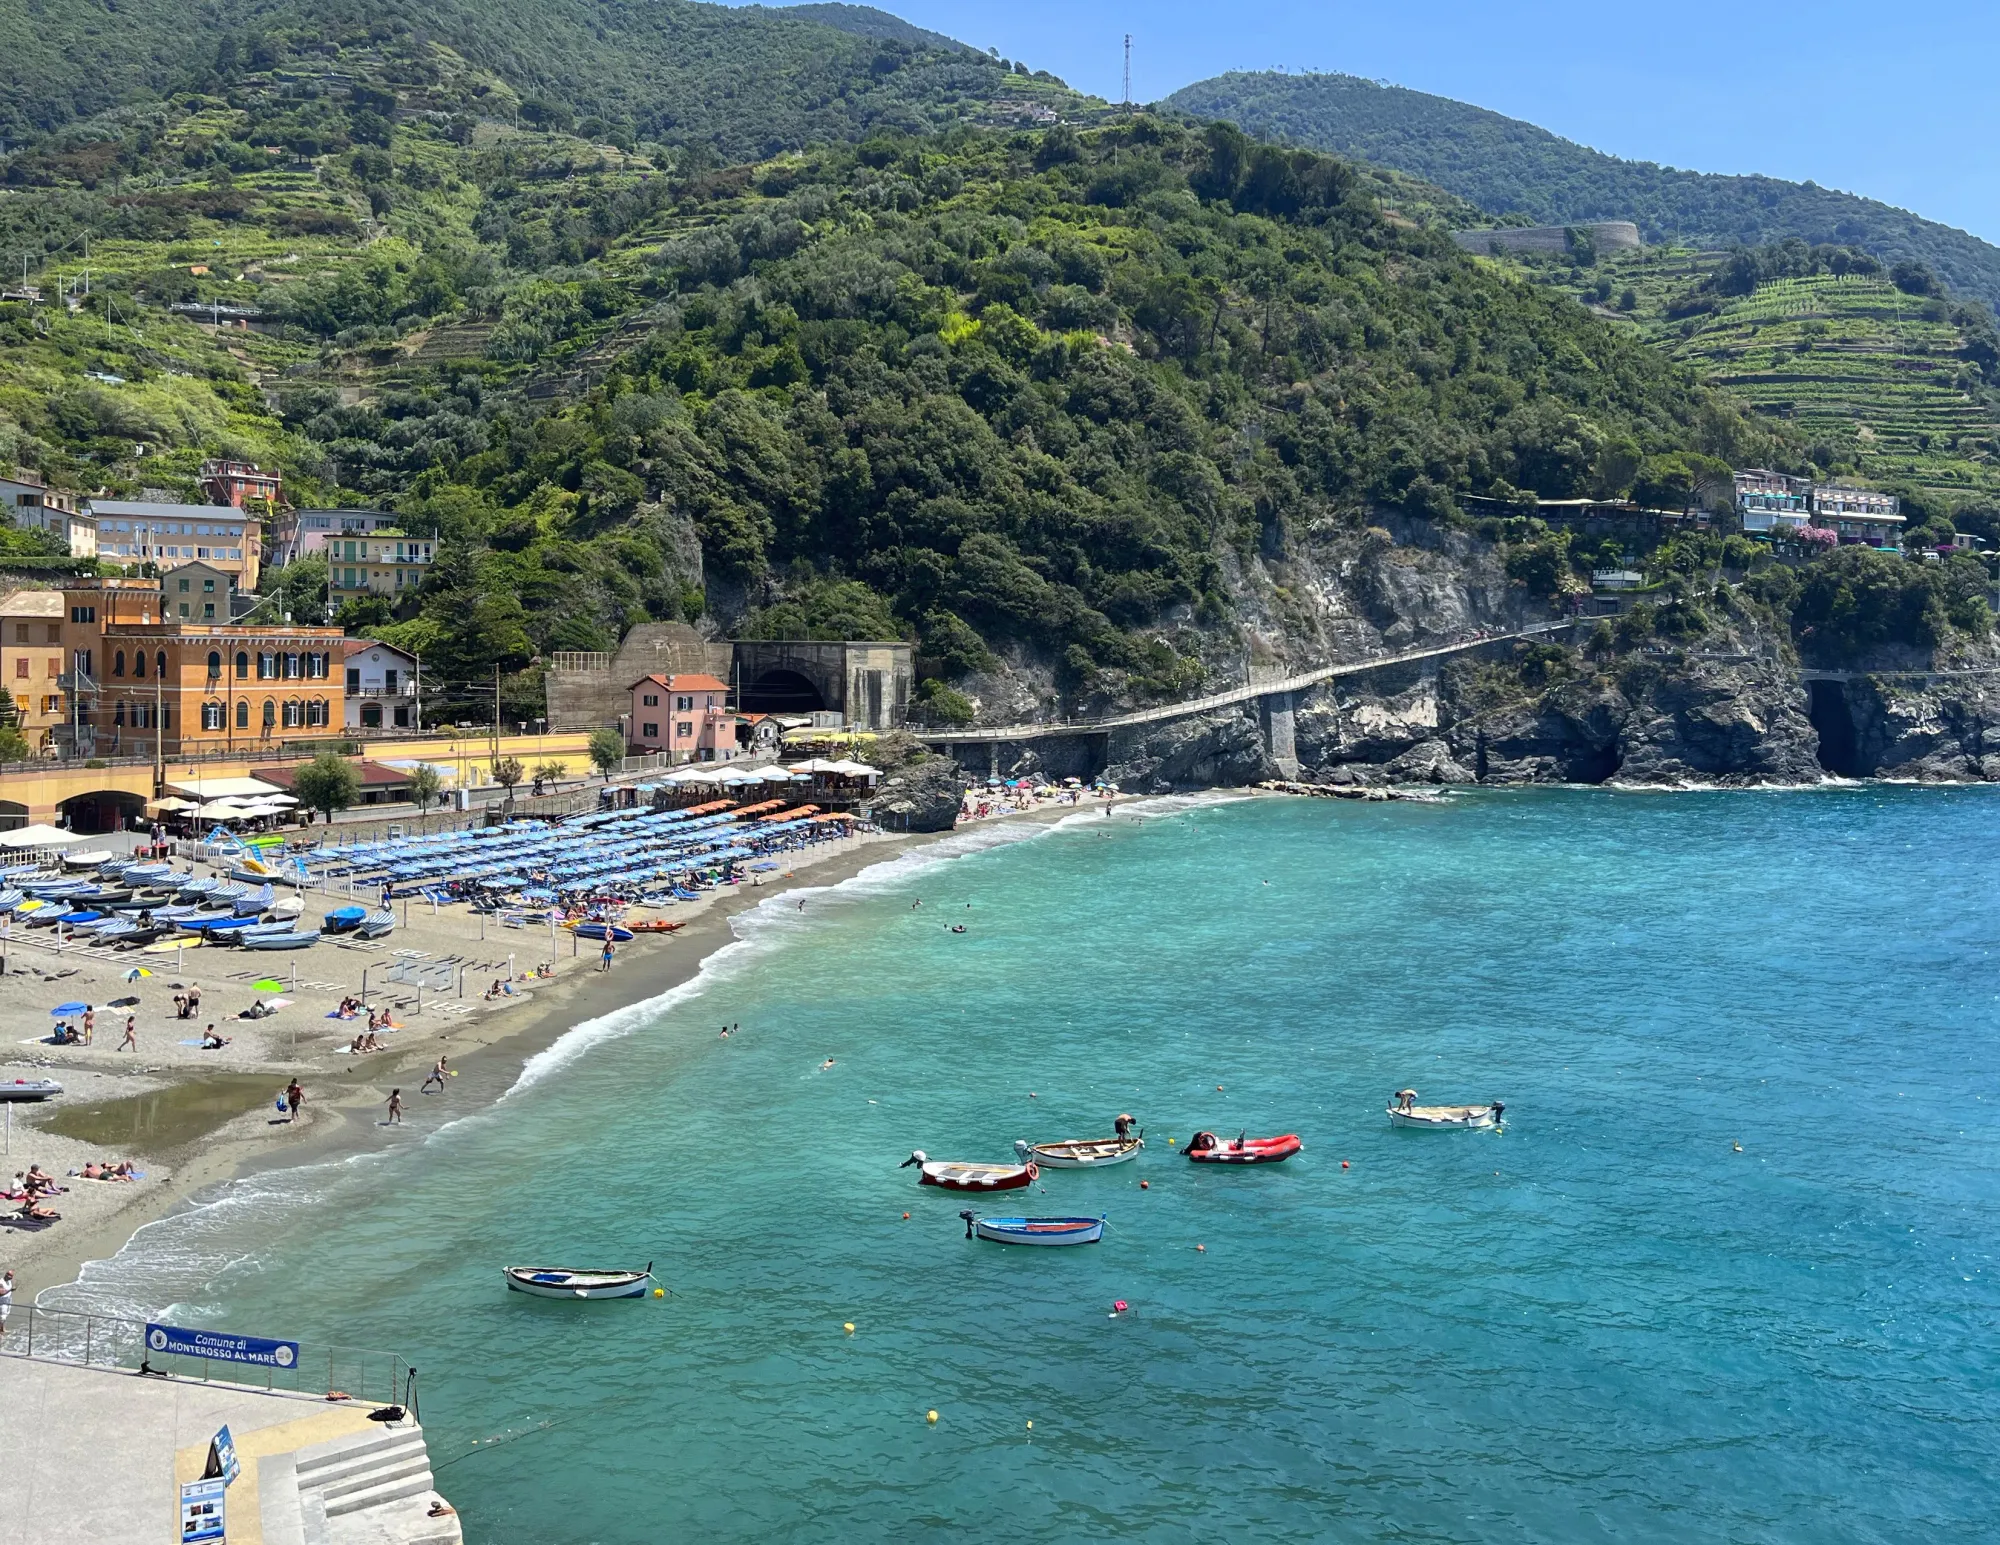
1839	751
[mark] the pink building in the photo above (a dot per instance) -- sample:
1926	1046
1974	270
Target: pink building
687	715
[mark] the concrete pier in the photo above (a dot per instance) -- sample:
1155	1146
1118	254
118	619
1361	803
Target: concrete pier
96	1456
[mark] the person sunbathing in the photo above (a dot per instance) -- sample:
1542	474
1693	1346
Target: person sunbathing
354	1047
91	1171
210	1041
32	1211
493	992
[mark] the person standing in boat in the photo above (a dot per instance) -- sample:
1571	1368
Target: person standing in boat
1405	1099
1123	1127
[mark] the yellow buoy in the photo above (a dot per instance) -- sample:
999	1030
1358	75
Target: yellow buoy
659	1292
848	1327
930	1416
1031	1426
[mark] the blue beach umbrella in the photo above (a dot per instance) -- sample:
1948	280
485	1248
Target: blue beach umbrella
62	1009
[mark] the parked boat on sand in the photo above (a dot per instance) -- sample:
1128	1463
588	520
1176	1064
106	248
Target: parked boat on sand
27	1090
571	1282
1207	1148
955	1176
1035	1231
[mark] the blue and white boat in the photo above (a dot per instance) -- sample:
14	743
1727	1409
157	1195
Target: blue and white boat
1035	1231
278	939
344	919
569	1282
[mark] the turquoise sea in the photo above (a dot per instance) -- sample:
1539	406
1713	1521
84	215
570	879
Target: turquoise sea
1605	1323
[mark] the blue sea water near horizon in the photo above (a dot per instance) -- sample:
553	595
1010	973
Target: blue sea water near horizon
1605	1322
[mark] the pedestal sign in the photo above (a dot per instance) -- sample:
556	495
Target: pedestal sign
222	1459
201	1510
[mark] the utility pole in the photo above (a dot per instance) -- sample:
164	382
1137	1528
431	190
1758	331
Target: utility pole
496	718
1128	69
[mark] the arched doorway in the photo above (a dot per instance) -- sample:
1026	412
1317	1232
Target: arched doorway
13	815
783	691
102	810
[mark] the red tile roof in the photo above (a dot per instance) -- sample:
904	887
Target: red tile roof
684	683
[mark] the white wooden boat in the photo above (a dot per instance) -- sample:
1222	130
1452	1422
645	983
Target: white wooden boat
1079	1153
1035	1231
1442	1118
27	1090
569	1282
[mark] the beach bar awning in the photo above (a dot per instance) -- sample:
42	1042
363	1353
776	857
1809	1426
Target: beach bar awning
226	788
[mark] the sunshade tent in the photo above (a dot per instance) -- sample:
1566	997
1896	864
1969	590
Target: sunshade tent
37	837
226	788
171	803
222	810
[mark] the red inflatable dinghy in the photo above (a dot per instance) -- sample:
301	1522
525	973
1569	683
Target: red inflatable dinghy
1207	1148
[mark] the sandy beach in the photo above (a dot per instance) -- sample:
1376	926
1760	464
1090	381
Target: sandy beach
191	1118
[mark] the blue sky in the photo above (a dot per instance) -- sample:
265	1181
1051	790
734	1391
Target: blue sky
1892	101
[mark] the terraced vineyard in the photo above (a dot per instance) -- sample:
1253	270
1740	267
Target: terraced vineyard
1862	369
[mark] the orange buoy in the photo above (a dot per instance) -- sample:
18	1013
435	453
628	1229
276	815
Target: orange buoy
1343	1164
1145	1185
906	1217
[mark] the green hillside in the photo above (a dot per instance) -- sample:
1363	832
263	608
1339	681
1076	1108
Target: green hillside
990	390
745	82
1895	387
1513	168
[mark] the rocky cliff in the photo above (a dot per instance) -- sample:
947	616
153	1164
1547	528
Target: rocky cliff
1711	694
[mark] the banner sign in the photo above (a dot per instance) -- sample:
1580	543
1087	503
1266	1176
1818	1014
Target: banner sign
222	1458
223	1348
201	1511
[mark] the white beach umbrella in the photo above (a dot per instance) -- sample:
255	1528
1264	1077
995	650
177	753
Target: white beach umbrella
37	837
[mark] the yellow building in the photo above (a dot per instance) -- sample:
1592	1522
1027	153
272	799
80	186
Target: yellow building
31	660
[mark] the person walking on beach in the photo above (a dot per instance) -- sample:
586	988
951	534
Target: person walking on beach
194	999
604	961
295	1099
89	1021
437	1076
6	1299
131	1041
395	1108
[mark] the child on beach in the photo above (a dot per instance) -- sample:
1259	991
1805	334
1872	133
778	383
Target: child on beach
295	1099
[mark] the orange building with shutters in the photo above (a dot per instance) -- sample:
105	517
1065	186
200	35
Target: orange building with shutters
135	684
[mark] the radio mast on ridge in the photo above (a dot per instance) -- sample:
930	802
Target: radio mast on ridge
1128	69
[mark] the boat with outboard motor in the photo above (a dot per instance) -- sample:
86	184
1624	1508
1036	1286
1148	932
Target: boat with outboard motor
1079	1153
25	1091
1404	1111
1035	1231
572	1282
956	1176
1207	1148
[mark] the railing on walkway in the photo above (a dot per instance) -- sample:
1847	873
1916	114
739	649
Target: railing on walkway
101	1341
